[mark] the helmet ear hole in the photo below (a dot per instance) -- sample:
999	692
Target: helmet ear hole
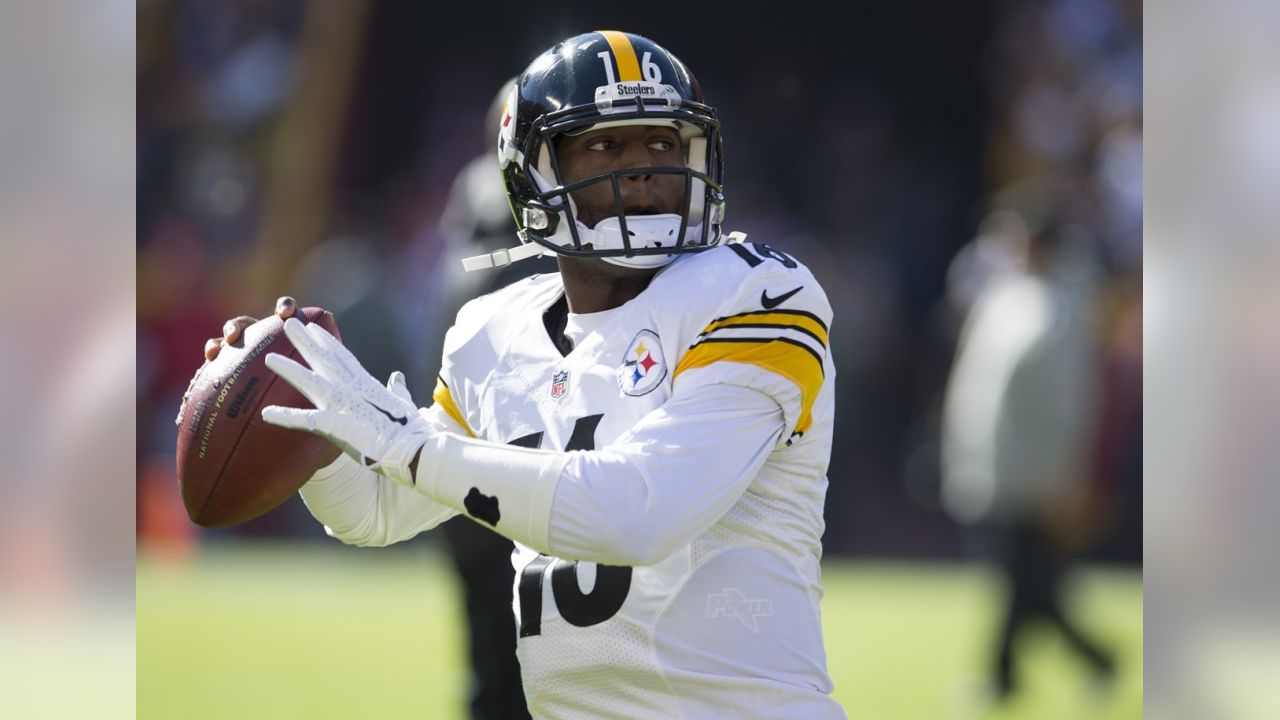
541	173
544	172
697	158
697	161
545	185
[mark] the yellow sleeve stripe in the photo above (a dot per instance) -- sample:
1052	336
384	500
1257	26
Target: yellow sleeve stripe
444	399
628	65
790	319
791	359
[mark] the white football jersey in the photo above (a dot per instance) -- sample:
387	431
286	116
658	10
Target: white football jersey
728	625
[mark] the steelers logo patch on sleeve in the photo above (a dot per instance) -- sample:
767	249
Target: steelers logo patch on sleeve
643	366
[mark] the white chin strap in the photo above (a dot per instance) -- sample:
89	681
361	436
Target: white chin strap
503	257
646	231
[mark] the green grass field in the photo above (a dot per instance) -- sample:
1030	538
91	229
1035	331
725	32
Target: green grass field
246	631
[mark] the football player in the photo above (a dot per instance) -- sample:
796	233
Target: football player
651	425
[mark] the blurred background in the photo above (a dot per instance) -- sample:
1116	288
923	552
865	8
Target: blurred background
965	179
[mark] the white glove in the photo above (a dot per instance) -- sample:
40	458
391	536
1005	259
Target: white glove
378	426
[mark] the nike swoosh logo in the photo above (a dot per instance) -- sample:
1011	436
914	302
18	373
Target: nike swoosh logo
770	303
403	420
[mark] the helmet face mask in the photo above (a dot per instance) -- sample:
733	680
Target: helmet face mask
573	89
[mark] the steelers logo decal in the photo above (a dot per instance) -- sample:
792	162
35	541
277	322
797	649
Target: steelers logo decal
643	367
507	149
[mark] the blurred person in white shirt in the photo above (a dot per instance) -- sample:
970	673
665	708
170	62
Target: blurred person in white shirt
1017	426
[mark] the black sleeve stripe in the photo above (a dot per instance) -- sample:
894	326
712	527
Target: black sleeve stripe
801	313
760	341
797	328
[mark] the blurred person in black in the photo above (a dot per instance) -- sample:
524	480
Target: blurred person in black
1017	425
477	220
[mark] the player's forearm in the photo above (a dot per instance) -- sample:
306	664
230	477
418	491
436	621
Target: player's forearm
608	510
632	503
507	488
359	507
514	491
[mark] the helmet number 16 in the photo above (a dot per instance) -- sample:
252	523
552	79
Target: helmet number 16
652	72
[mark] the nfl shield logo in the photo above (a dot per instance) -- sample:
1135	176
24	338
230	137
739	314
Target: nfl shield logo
559	384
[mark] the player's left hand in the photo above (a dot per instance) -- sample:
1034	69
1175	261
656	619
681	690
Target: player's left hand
378	426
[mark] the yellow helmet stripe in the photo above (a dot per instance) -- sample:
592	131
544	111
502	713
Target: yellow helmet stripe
624	54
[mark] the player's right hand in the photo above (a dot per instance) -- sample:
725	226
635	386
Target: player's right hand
379	426
231	329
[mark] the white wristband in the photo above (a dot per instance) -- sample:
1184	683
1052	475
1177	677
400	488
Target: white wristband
506	487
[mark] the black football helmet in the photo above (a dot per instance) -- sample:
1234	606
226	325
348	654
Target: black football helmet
603	79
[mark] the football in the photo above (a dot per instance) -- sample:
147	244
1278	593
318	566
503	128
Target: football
233	466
